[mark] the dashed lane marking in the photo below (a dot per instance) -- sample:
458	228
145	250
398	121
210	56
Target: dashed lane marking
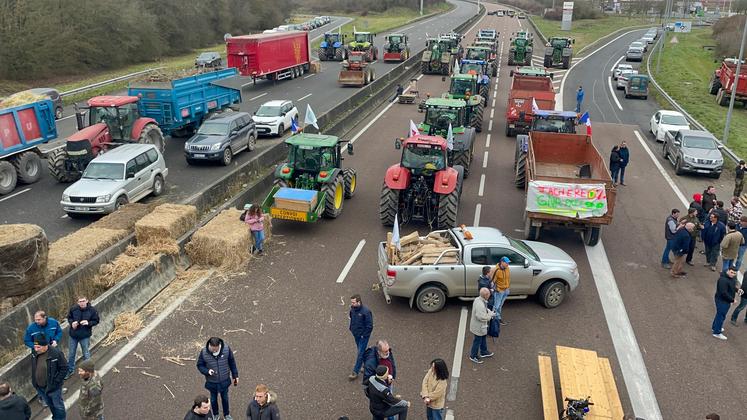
456	367
258	96
482	185
487	138
490	126
493	106
14	194
492	113
351	261
303	97
311	75
476	221
485	160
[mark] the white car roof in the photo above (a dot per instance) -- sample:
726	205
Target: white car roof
622	66
123	153
668	112
276	102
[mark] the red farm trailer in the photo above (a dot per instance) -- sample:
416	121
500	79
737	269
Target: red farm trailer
273	56
723	80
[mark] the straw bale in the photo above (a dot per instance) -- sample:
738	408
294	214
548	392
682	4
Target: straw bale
126	325
70	251
167	221
223	242
22	98
125	217
23	259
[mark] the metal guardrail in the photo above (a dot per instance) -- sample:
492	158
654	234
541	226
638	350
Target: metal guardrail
106	82
728	152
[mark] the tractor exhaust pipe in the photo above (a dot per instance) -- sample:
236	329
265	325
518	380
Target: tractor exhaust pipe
78	117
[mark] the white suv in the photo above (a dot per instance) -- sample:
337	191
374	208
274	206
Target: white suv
274	117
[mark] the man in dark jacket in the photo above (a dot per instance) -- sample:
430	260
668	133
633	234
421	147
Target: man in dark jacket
692	217
12	406
739	178
615	161
712	234
217	363
382	403
200	409
718	210
380	354
361	326
670	228
742	304
726	291
680	246
709	199
48	368
485	281
264	405
82	317
625	158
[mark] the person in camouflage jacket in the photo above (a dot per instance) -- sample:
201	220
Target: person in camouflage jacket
90	403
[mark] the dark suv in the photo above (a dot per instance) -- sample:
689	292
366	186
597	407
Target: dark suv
221	137
209	59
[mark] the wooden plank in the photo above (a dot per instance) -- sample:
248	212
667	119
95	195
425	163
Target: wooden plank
547	386
612	394
580	377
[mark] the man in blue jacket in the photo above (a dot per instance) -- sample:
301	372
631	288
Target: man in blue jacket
217	363
625	156
361	326
579	99
82	317
712	234
45	325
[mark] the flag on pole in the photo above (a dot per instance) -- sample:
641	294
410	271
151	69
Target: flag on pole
535	108
413	130
310	117
294	125
450	139
395	233
585	119
457	69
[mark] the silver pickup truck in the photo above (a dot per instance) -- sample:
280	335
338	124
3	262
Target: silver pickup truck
536	269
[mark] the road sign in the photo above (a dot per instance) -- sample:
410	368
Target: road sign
565	24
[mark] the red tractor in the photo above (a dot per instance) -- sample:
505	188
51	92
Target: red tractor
112	121
422	186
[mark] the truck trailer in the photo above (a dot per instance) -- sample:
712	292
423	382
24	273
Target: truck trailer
272	56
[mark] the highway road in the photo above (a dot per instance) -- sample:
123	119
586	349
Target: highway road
39	203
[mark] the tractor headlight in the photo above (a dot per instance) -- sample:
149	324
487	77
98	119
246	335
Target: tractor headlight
65	197
215	146
103	198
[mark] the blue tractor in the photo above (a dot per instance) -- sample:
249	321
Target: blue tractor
332	47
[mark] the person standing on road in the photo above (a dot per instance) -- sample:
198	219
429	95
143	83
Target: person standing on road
615	161
692	217
361	326
256	221
12	406
739	178
579	99
730	246
264	405
217	363
742	304
485	281
380	354
726	291
502	279
43	325
400	90
82	317
719	211
742	228
48	369
697	205
712	234
709	199
670	228
478	326
735	212
200	409
680	246
91	404
625	156
433	389
381	402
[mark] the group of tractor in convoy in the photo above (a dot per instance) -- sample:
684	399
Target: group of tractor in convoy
358	53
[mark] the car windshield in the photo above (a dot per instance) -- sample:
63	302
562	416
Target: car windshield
268	111
205	56
523	247
213	129
636	44
96	170
699	143
673	120
423	156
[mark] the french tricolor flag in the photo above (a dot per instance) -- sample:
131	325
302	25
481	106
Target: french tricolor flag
585	119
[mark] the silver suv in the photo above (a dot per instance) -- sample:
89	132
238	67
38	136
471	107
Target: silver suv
693	151
123	175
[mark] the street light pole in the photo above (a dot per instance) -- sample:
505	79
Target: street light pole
734	84
667	11
421	7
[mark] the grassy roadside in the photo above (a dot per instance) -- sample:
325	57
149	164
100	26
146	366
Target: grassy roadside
586	31
685	71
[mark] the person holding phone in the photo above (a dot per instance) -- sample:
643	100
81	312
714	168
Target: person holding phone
217	364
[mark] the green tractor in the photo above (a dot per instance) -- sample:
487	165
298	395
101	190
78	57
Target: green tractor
467	87
396	47
332	47
312	183
364	42
479	69
520	51
437	57
439	113
483	53
453	40
559	52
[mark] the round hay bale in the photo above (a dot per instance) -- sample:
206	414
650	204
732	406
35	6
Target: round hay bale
23	259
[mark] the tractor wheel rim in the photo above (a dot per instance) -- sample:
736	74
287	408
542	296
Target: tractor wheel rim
31	169
352	183
338	196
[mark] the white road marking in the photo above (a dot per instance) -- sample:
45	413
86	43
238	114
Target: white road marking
449	414
351	261
493	106
661	169
478	208
490	126
482	185
258	96
485	160
64	216
311	75
304	97
376	118
492	113
617	62
456	367
69	116
612	92
8	197
487	139
124	351
495	92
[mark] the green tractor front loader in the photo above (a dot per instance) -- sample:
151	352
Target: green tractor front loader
559	52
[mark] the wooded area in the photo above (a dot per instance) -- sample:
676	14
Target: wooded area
362	6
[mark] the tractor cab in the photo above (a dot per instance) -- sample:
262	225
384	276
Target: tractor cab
554	121
362	39
396	42
355	60
478	53
463	86
332	39
311	159
423	155
440	112
117	112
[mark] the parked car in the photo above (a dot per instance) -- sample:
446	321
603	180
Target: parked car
644	44
125	174
522	16
636	86
622	79
619	68
634	54
54	96
209	59
221	138
649	38
693	151
499	13
274	117
654	32
664	120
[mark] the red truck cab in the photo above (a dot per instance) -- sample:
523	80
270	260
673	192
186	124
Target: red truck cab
529	84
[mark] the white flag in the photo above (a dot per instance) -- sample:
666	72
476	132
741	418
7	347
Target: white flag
450	139
310	118
413	130
395	233
535	108
457	70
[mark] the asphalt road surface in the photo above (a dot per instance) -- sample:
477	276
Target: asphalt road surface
286	315
39	203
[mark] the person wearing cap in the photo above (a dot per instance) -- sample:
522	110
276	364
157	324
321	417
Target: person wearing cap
382	403
90	403
501	276
697	205
739	178
12	406
726	292
48	369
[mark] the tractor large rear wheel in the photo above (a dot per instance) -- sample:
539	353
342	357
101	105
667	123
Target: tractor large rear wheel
28	166
339	54
520	174
322	54
334	197
152	134
715	85
351	181
56	166
463	158
548	61
448	208
566	62
511	58
388	205
485	91
479	109
8	177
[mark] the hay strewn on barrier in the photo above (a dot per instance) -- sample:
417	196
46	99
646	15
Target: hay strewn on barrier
22	98
23	259
70	251
133	258
125	217
126	325
223	242
167	221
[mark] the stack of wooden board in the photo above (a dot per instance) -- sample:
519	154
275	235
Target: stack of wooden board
295	199
417	250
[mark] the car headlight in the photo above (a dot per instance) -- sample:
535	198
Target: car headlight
719	161
65	197
215	146
574	270
186	147
688	159
103	198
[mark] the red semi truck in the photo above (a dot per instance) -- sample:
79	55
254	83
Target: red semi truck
528	83
273	56
723	80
